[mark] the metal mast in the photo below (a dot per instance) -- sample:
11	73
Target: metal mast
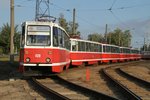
12	30
42	10
73	29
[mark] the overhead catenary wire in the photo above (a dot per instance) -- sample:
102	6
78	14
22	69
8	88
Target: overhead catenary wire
112	9
117	18
112	5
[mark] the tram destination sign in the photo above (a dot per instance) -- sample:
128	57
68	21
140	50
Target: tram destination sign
38	28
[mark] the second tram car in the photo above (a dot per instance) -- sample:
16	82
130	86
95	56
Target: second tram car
124	54
44	47
85	52
111	53
135	54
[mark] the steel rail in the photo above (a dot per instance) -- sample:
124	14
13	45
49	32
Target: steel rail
97	95
145	83
50	93
129	94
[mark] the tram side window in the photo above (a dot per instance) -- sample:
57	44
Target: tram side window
95	47
135	51
60	38
125	50
91	47
99	48
87	46
74	45
108	49
132	51
67	41
113	49
121	50
23	36
118	50
81	46
55	37
104	48
128	50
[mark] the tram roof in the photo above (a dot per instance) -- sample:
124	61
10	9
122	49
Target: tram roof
41	23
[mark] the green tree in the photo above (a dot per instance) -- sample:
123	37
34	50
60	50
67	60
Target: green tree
68	26
95	37
63	22
119	37
126	37
5	38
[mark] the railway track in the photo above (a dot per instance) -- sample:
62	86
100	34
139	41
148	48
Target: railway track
141	82
127	85
98	81
57	88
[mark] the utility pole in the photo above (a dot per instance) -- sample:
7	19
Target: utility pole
110	38
12	31
73	27
144	47
106	33
119	39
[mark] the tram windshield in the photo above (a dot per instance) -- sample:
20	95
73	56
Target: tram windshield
38	36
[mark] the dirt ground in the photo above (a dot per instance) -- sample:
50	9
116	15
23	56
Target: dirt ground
14	87
138	71
98	83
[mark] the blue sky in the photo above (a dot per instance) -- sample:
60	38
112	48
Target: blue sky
91	15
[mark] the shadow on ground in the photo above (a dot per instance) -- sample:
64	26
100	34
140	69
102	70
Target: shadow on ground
9	70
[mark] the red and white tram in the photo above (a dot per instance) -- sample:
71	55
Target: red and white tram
89	52
44	46
85	52
125	54
135	54
110	53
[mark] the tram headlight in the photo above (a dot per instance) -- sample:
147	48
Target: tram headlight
48	60
27	59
